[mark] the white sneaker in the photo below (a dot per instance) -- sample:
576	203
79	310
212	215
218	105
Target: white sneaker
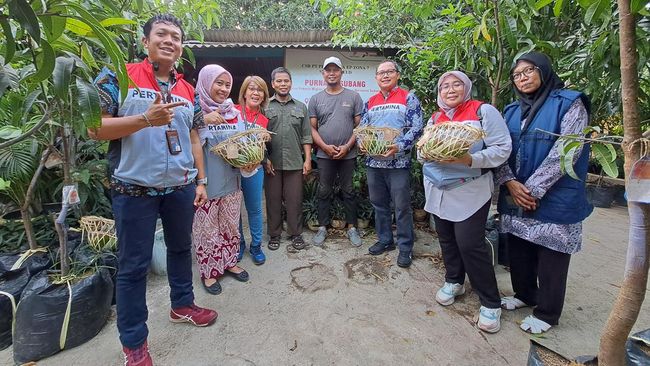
320	236
447	293
512	303
489	320
533	325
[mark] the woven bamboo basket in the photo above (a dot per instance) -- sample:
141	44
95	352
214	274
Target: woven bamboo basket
375	141
244	148
100	232
448	140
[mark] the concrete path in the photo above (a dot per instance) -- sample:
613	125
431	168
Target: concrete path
339	306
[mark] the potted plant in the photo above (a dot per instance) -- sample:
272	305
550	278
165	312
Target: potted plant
418	202
310	204
338	216
365	213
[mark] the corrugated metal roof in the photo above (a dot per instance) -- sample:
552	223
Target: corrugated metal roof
271	39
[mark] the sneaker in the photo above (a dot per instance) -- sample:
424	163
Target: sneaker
320	236
194	315
137	356
404	259
489	320
378	248
512	303
448	292
354	237
257	255
534	325
297	242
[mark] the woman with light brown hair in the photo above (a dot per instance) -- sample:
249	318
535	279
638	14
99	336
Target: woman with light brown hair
253	97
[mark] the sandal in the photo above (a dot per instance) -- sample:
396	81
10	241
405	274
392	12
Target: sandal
533	325
512	303
274	243
241	276
297	242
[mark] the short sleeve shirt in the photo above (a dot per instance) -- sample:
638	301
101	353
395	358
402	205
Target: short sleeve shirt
335	115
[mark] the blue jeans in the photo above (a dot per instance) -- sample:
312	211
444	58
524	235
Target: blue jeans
135	220
252	189
384	185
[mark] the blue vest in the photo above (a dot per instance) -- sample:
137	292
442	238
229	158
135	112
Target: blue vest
566	201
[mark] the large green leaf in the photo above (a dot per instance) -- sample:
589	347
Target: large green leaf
78	27
542	3
638	5
24	14
88	100
10	46
108	40
9	78
567	155
45	64
54	26
63	76
117	21
9	132
557	8
606	155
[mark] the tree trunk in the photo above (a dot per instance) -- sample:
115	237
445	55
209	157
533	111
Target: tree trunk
630	298
59	223
497	81
25	213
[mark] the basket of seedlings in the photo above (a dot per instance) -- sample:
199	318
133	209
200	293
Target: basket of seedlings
375	141
245	148
448	140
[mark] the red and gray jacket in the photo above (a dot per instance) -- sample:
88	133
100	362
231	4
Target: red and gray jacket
143	158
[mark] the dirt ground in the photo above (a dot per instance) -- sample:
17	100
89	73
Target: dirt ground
337	305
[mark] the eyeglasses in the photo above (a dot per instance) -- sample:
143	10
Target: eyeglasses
528	72
390	72
255	90
456	85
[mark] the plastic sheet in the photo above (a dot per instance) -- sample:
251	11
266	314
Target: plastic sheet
40	329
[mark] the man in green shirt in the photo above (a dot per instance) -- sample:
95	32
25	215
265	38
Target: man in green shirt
285	167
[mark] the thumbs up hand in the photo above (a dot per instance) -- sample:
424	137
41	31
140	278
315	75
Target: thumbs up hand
159	113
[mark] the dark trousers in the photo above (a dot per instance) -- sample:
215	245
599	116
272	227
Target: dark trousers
531	264
328	172
285	185
385	185
135	220
464	251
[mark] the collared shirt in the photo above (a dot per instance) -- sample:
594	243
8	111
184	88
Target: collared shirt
290	122
142	159
400	110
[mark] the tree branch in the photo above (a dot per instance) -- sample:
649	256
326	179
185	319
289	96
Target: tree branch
33	130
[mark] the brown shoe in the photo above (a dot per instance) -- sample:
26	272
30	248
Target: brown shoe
297	242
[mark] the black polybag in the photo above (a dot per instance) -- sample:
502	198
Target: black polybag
91	258
41	311
35	263
11	283
535	358
638	349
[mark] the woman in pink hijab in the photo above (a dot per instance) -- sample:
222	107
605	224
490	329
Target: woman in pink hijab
215	232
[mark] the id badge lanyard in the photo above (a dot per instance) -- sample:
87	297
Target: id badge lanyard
173	141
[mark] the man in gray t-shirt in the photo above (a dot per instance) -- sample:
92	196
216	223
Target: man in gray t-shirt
333	114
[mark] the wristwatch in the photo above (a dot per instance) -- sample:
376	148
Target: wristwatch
203	181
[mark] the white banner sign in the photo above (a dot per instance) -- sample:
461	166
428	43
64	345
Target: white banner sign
306	66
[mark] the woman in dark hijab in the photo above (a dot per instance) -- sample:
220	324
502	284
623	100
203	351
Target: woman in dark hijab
541	207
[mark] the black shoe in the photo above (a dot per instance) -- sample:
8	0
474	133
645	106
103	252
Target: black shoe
378	248
214	289
404	259
241	276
